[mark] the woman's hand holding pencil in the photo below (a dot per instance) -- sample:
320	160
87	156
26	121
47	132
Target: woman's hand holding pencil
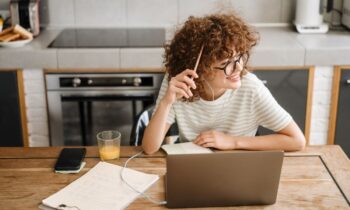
180	85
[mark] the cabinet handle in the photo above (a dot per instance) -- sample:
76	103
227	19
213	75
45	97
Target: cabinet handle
264	82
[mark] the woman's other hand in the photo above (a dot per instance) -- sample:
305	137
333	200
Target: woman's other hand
215	139
180	85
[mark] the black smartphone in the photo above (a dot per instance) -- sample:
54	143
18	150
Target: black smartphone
70	159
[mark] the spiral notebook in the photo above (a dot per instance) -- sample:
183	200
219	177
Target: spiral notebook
185	148
102	188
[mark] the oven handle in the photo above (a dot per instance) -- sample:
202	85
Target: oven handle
120	93
104	95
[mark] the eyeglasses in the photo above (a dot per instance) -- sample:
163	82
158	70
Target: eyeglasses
231	65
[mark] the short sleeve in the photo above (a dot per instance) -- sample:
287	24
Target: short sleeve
269	113
162	91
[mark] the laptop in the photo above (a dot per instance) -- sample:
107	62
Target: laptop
235	178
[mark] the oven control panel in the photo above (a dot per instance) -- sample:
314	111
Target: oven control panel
98	81
106	81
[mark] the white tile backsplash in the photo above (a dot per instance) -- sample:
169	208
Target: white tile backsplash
88	58
321	97
39	141
141	58
38	128
321	102
320	111
318	138
97	13
30	74
35	100
57	13
288	11
259	11
36	109
141	13
36	114
157	13
35	86
197	8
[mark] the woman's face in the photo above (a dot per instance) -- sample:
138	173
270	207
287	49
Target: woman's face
227	73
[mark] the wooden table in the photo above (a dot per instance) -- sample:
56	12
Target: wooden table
316	178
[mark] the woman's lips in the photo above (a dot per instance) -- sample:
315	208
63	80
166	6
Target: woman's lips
234	78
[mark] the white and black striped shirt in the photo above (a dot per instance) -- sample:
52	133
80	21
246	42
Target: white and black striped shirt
237	112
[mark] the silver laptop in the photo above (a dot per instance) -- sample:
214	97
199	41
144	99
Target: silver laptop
234	178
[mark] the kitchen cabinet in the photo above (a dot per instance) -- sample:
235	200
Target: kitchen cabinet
13	126
339	125
292	88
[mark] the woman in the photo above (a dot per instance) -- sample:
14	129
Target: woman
220	104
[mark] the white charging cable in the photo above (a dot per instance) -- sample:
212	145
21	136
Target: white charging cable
141	193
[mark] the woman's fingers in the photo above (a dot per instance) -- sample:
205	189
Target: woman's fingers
187	77
183	86
209	144
178	84
207	134
182	83
202	141
190	82
190	73
181	93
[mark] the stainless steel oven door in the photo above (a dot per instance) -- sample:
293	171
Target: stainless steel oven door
77	114
75	119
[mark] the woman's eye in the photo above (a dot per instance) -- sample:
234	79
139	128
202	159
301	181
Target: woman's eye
224	64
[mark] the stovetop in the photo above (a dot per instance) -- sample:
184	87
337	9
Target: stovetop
109	38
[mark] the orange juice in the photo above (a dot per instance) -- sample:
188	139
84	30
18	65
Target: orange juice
109	152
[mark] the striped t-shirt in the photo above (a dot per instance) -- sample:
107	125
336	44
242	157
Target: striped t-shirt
237	112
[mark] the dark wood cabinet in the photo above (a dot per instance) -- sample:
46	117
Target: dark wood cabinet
339	129
12	122
292	88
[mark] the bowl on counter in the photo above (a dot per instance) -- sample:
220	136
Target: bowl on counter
17	43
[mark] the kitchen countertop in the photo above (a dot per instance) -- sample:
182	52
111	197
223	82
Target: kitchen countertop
278	46
315	178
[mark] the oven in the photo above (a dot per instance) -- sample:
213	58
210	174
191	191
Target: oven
81	105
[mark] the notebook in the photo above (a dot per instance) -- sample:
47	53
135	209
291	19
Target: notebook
102	188
185	148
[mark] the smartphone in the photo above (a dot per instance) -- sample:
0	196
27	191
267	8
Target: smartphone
70	159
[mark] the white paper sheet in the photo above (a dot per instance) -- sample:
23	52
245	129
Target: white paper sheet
102	188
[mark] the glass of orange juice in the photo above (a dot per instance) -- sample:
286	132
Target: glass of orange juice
109	144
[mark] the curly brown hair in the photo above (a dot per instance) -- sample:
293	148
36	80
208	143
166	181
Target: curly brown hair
218	33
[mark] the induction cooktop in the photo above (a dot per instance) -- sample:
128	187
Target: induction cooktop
109	38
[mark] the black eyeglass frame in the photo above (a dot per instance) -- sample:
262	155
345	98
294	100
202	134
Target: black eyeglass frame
234	65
